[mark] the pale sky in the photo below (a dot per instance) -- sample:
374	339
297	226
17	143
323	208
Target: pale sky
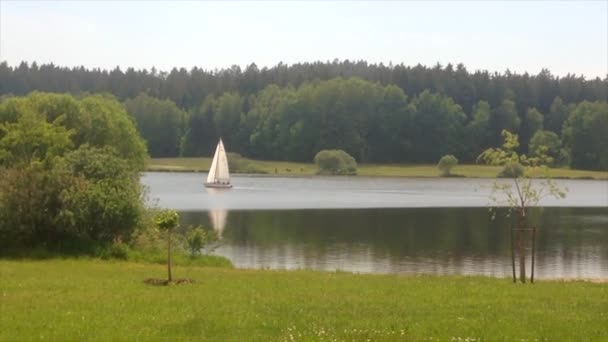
565	37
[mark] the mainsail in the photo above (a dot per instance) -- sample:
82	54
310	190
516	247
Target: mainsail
219	172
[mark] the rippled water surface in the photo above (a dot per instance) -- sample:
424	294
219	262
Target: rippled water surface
387	225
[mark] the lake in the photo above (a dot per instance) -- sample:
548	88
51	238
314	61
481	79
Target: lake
387	225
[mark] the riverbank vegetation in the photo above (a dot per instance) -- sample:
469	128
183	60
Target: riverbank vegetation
335	162
380	170
69	173
69	182
75	297
376	113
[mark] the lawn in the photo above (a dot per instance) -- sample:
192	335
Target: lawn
397	170
75	300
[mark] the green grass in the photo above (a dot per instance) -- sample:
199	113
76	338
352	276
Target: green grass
79	300
386	170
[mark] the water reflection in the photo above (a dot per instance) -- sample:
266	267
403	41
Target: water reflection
571	242
217	217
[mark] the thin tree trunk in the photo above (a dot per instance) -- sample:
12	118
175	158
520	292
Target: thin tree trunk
533	252
522	256
513	255
169	256
522	248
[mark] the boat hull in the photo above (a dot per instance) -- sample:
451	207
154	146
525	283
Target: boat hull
218	185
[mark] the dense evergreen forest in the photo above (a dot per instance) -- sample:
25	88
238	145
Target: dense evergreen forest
376	112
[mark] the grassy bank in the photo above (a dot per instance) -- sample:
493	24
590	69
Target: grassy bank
398	170
69	300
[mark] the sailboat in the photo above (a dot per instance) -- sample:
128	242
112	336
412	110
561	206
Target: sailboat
219	175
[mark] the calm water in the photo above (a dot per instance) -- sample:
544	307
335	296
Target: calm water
387	225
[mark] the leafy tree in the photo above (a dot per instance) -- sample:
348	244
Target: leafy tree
533	122
477	130
436	127
585	135
335	162
558	114
446	164
549	141
62	186
201	135
502	118
97	120
198	238
160	122
524	192
168	221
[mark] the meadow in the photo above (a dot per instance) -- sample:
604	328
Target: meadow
385	170
88	299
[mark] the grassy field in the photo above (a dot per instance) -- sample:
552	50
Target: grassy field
76	300
397	170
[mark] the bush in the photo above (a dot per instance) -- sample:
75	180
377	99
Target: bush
198	238
512	170
446	164
117	250
335	162
66	184
240	164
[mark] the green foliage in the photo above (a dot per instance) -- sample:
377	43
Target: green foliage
477	131
525	192
504	117
95	120
117	250
585	135
512	170
335	162
105	199
69	173
551	142
239	164
376	113
160	122
446	164
533	122
437	127
197	238
167	220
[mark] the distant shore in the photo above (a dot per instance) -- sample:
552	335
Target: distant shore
280	168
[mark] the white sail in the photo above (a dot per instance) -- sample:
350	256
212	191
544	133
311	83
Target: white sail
219	175
212	169
222	174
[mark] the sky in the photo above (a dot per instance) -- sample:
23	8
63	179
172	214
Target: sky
564	37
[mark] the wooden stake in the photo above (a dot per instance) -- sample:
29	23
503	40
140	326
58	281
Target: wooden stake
513	256
533	253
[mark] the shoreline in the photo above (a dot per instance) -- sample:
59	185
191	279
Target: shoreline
264	168
294	175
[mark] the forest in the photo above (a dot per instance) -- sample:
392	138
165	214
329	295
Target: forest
377	113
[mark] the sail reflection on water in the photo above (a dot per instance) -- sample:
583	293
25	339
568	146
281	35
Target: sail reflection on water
218	220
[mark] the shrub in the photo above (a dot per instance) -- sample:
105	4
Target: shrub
446	164
512	170
198	238
117	250
240	164
335	162
66	184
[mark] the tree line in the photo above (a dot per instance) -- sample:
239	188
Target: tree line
376	113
